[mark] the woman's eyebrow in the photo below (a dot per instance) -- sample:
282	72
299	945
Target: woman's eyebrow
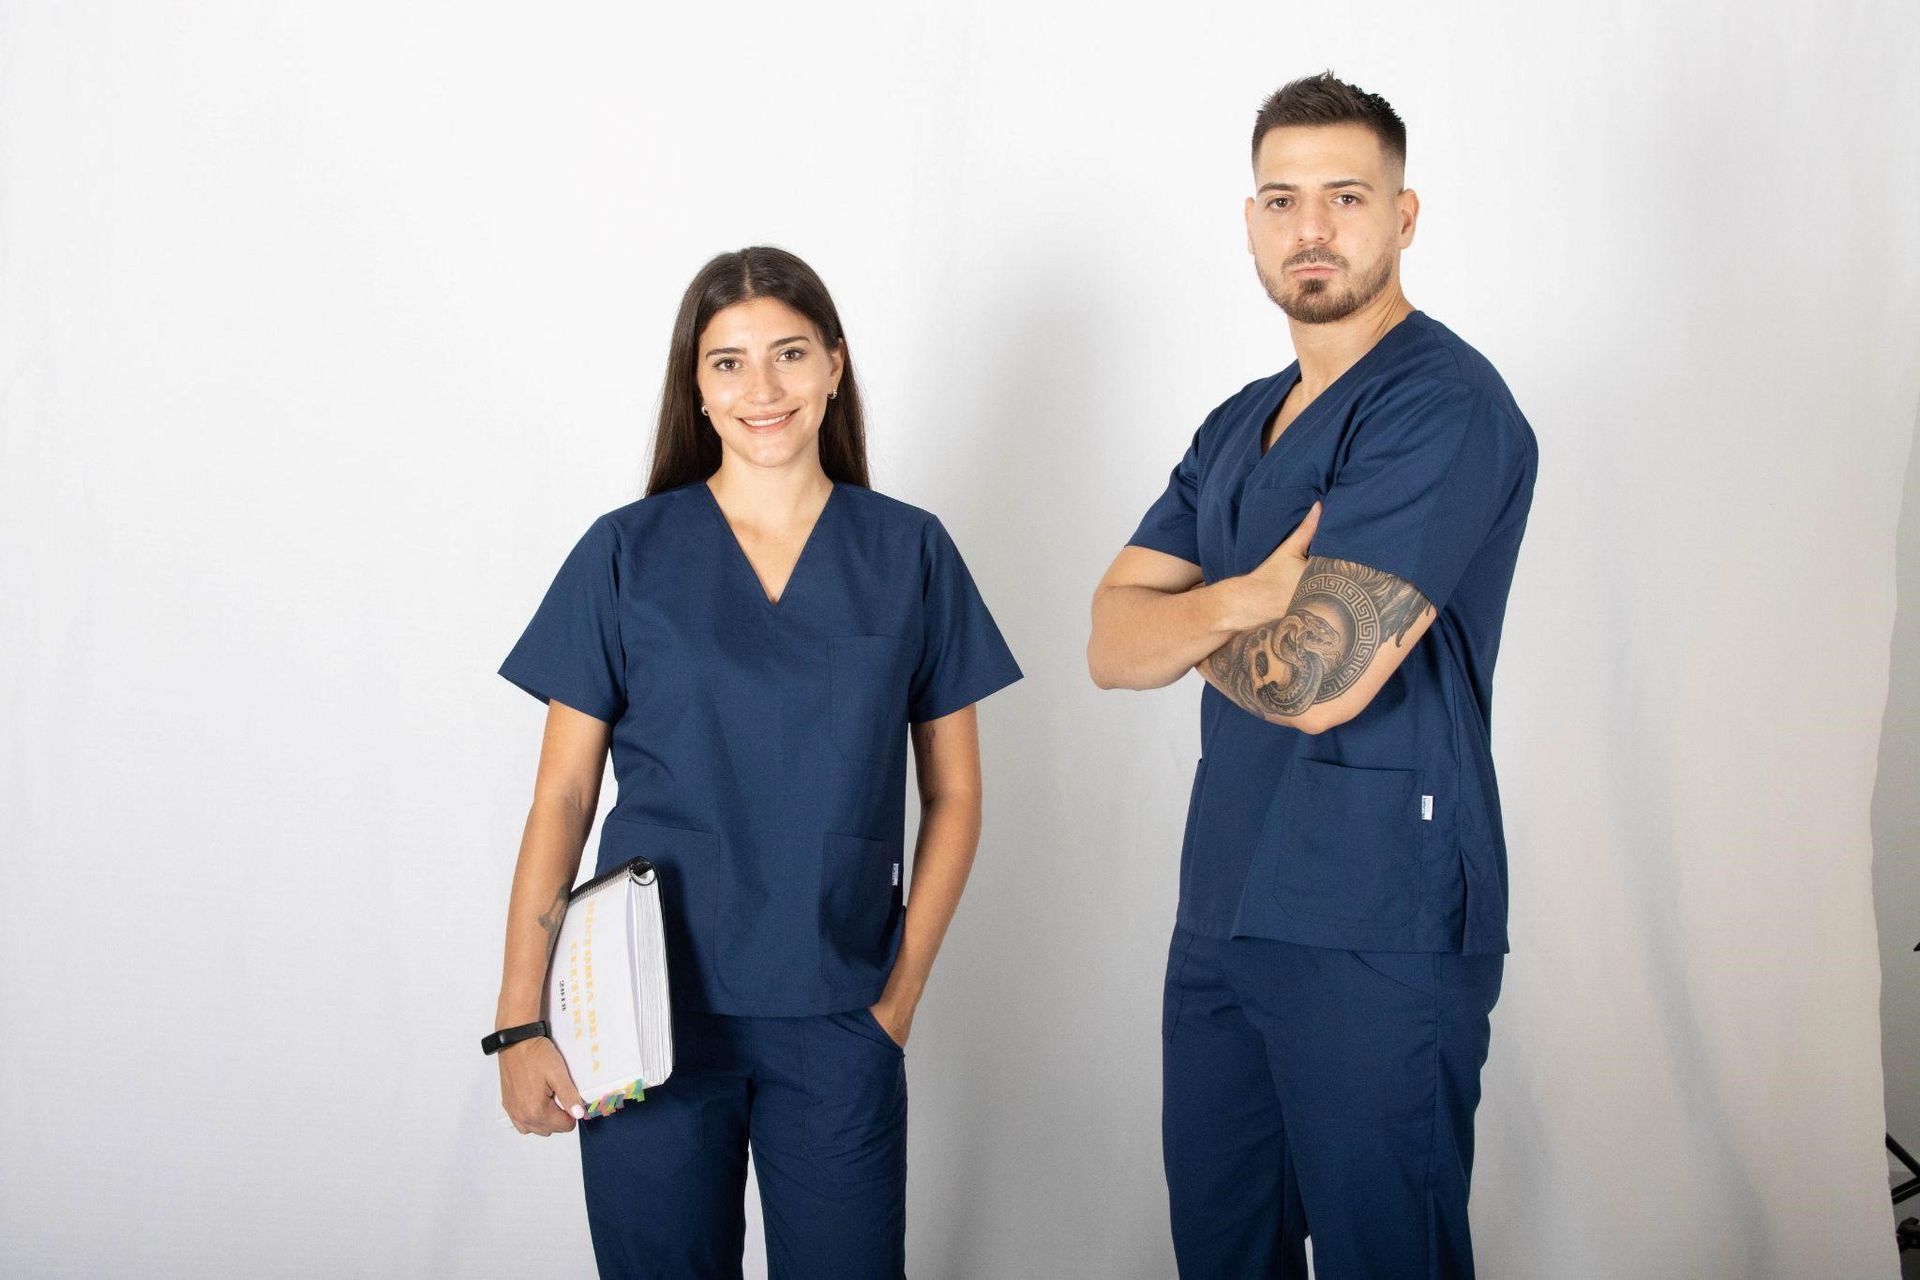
777	342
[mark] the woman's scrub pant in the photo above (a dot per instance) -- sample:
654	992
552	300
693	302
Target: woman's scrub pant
1314	1091
823	1103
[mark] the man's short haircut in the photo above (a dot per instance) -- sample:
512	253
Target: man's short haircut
1322	99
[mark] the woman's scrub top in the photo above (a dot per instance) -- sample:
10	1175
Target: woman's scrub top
1383	833
760	748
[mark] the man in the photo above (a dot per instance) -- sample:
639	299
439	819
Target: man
1333	556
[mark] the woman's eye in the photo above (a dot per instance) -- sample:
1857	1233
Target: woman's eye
725	366
795	352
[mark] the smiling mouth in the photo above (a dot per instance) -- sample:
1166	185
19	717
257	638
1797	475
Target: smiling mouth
768	424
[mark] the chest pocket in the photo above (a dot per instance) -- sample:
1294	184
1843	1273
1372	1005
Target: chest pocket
868	677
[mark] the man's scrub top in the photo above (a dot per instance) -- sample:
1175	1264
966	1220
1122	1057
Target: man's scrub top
1382	833
760	748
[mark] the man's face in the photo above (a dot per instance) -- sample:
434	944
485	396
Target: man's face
1327	219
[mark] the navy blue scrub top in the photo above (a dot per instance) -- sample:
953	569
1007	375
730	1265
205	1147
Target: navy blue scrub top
759	748
1383	833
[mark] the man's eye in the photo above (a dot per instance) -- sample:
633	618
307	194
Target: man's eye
1348	195
1277	202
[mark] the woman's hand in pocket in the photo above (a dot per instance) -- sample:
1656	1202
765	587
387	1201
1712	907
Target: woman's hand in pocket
537	1089
896	1022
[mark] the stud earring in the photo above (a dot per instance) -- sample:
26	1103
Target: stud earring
831	394
704	413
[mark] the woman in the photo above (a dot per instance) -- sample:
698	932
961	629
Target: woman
754	639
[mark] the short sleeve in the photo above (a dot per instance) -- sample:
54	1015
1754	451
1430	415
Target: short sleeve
571	651
1169	525
1426	476
963	658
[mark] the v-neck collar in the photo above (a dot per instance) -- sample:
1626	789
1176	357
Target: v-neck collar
1290	378
746	561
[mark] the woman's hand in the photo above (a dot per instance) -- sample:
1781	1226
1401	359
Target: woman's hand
537	1089
895	1020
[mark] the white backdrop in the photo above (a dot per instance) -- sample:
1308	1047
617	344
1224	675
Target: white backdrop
326	329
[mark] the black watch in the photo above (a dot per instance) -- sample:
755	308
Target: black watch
500	1039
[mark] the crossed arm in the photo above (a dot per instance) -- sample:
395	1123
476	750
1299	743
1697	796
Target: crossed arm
1311	663
1347	631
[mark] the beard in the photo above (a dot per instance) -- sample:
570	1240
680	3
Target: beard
1318	300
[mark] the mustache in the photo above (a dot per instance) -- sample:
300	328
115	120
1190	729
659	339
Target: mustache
1315	257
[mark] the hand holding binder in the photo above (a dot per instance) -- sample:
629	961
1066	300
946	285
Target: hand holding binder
607	1008
534	1069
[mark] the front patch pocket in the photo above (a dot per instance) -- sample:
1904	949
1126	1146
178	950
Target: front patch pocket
869	695
1346	843
859	909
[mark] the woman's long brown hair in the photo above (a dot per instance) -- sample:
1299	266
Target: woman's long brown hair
685	446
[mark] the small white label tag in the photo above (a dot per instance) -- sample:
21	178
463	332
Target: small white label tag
896	873
1426	808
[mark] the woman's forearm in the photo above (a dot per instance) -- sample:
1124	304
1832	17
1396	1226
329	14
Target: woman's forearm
942	859
550	848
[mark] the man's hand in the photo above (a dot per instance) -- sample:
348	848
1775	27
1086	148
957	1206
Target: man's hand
1155	615
1266	592
1319	659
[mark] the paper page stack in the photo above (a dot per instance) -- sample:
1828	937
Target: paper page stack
607	1004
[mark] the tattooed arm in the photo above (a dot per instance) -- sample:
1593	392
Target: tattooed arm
1347	630
1152	620
535	1088
566	792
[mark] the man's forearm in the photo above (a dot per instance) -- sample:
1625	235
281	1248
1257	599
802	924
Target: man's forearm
1287	671
1145	639
1233	669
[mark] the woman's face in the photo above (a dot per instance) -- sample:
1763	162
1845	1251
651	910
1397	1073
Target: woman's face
764	376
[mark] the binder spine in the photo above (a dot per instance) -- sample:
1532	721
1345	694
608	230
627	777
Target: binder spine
639	868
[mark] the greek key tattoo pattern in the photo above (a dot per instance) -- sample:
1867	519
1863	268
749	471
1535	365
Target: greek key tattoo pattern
1340	613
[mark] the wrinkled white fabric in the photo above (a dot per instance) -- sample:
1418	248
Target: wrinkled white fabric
324	329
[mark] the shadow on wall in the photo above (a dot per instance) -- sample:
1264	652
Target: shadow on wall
1896	831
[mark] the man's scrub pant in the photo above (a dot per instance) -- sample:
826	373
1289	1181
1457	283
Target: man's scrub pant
823	1103
1309	1091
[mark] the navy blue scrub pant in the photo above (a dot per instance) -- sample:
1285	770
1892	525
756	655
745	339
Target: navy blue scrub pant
1313	1091
823	1102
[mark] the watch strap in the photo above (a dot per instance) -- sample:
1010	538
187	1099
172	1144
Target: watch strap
495	1041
